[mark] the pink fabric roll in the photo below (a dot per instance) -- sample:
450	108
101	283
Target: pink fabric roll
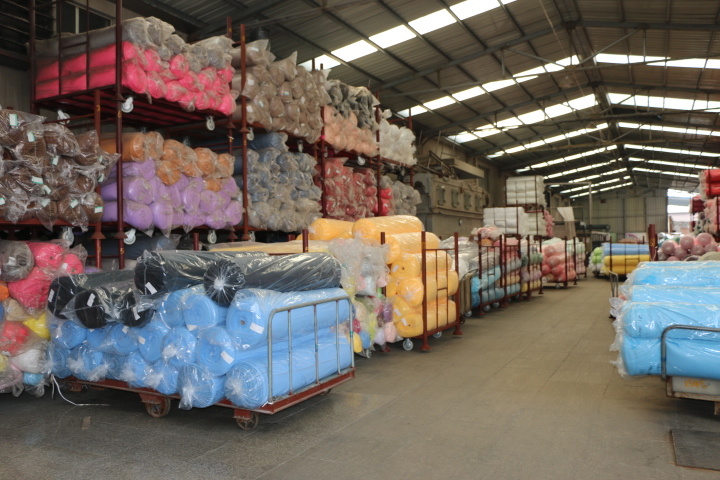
130	51
103	57
202	101
32	291
48	256
234	213
187	101
190	81
226	74
47	69
102	76
153	61
163	215
136	214
137	189
227	105
74	65
209	202
179	66
71	265
134	77
175	91
216	220
73	83
156	86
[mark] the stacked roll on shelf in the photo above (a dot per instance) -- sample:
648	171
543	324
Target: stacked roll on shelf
623	258
531	271
686	247
559	262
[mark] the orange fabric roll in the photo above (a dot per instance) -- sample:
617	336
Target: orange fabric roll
189	162
133	146
213	183
167	172
225	165
154	143
4	292
206	160
172	151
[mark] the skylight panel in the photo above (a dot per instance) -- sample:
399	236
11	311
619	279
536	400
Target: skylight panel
354	50
604	174
663	102
557	110
665	172
469	93
625	59
463	137
391	37
416	110
569	159
439	103
434	21
482	133
497	85
615	187
470	8
548	141
673	150
679	193
604	182
664	128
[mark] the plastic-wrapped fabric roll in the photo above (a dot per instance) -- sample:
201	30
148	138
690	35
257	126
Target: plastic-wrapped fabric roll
32	291
95	337
248	382
439	313
663	294
13	311
641	356
145	169
163	215
249	315
330	229
206	160
47	255
32	360
133	146
4	292
16	260
409	243
39	326
63	289
150	340
370	228
119	340
101	305
410	264
179	347
679	274
136	214
199	388
163	378
411	289
624	260
71	265
170	270
87	364
693	358
169	311
116	363
137	189
190	197
234	213
287	273
132	252
209	202
216	350
200	312
629	249
15	338
154	144
67	334
135	370
168	172
57	359
648	320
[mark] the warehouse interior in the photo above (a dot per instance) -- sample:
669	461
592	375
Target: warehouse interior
611	104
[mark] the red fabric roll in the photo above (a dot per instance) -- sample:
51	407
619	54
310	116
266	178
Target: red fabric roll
32	292
71	265
179	66
47	255
13	336
134	77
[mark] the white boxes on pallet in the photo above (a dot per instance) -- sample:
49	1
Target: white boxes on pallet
509	220
526	190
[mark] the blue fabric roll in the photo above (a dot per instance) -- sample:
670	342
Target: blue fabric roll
164	378
666	294
248	385
169	311
249	314
115	364
199	388
677	274
96	337
58	356
694	358
648	320
216	350
199	312
150	340
641	356
135	370
87	364
33	379
179	347
68	334
625	249
119	340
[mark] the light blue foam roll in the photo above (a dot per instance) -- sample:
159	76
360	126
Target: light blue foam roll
135	370
58	356
199	312
249	314
648	320
115	364
641	356
199	388
625	249
248	384
96	337
663	293
87	364
68	334
169	311
694	358
216	350
150	340
119	340
678	274
179	347
164	378
33	379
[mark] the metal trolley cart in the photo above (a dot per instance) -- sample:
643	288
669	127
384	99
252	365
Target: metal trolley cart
158	405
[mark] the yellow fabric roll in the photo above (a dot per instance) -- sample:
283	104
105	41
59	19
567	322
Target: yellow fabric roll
391	288
622	260
330	229
410	264
411	289
619	269
370	228
294	246
409	243
439	314
453	282
39	326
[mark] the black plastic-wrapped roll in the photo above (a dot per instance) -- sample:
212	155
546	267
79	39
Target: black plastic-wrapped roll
99	306
282	273
64	289
169	270
134	250
16	260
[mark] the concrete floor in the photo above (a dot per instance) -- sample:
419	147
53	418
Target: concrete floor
526	392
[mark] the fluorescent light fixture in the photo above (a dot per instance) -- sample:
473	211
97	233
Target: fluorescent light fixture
416	110
670	164
555	111
665	172
439	103
354	50
673	150
663	102
625	59
614	187
463	137
605	182
570	158
548	141
663	128
470	8
391	37
434	21
469	93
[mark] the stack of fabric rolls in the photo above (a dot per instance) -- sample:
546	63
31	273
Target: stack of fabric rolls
349	120
348	194
531	270
623	258
396	142
558	262
686	246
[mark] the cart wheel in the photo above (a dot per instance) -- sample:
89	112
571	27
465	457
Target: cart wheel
408	345
157	410
437	334
325	392
468	314
496	305
249	423
368	353
557	286
486	308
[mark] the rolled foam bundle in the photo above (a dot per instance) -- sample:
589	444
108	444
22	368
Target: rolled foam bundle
163	378
330	229
169	270
179	347
410	264
135	370
287	273
65	288
57	359
216	350
439	314
200	312
16	260
163	215
440	285
118	340
694	359
370	228
665	294
87	364
680	274
150	340
199	388
648	320
248	317
625	249
67	334
409	243
248	382
624	260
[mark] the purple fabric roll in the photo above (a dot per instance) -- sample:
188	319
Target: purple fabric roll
136	214
137	189
216	220
145	169
193	219
173	194
230	187
234	213
160	191
224	199
197	183
163	215
191	198
209	202
182	183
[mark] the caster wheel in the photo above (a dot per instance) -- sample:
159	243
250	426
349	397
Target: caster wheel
248	423
407	345
468	314
486	308
157	410
368	353
326	392
437	334
496	305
